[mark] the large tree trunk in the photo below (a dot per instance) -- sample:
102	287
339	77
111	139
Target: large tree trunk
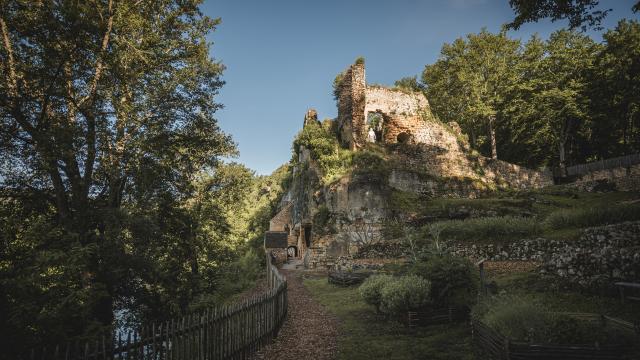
492	136
562	154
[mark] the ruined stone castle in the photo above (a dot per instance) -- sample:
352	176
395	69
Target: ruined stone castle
379	114
441	163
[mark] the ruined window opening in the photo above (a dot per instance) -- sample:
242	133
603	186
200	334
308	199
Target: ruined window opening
375	122
292	252
404	138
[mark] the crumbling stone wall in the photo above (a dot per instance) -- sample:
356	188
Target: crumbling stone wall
351	102
624	178
512	175
603	254
402	112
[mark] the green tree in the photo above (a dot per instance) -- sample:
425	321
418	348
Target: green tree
470	79
409	83
107	113
580	13
614	90
551	98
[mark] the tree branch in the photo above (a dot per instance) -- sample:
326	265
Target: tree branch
11	76
99	62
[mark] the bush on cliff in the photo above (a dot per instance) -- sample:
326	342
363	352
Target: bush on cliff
324	148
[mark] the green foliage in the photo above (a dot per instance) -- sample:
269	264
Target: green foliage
364	335
409	84
404	201
393	229
490	228
109	127
595	216
526	320
469	81
614	91
322	221
582	14
370	163
371	289
452	279
334	161
337	83
359	60
548	102
404	293
513	317
238	275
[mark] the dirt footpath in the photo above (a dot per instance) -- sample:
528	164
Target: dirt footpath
310	331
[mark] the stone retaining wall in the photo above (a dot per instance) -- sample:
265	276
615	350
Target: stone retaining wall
624	178
601	255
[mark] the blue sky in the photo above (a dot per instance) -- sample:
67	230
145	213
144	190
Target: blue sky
282	56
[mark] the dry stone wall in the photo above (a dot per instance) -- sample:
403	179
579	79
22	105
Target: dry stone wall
602	255
624	178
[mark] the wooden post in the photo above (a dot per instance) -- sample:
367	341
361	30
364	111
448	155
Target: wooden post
506	349
483	286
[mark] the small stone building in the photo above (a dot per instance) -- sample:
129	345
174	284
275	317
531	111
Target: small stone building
284	238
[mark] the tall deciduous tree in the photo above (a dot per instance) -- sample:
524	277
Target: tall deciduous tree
548	106
614	89
470	79
107	110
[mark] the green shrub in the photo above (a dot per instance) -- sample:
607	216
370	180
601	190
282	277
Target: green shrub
404	293
453	280
564	329
334	161
513	317
490	228
585	217
371	288
367	162
525	320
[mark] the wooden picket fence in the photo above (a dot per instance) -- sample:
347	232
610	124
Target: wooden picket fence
229	332
497	346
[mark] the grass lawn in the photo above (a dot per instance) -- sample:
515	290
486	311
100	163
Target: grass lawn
366	335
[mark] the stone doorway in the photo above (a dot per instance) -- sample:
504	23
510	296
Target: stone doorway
292	252
375	124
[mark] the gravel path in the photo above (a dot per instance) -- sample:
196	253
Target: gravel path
310	331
